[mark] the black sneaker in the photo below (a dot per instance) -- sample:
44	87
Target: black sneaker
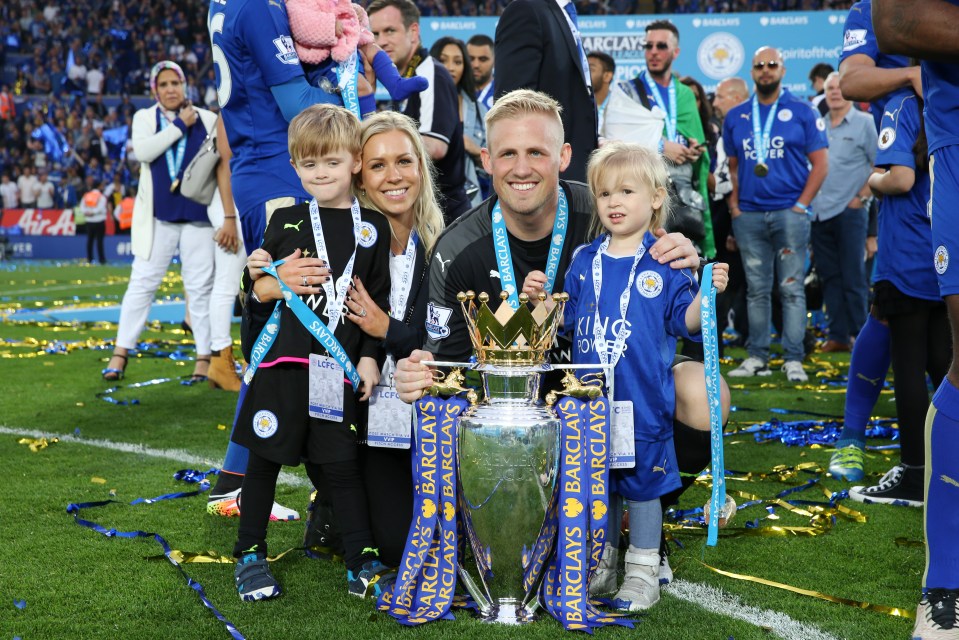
371	580
254	580
936	618
322	538
900	486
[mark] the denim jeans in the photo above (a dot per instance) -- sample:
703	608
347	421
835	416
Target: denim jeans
838	246
774	244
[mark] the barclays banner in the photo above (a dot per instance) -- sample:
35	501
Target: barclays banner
712	46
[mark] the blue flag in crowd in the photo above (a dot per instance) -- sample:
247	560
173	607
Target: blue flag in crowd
116	139
54	144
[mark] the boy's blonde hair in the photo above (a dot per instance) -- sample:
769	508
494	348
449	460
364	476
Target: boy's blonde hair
616	161
524	102
427	215
323	129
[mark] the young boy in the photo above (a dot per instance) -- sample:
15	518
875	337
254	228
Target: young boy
299	406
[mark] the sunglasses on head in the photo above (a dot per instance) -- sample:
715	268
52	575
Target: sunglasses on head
662	46
773	64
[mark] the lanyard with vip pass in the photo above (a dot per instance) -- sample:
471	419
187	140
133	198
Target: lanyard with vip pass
390	420
623	452
173	164
335	298
346	80
504	258
399	295
761	141
670	109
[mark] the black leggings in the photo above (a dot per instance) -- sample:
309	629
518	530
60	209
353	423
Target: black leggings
346	493
692	455
921	344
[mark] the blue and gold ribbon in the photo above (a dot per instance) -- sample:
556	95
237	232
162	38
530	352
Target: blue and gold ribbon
427	577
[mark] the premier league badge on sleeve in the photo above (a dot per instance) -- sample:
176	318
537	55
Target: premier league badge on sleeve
437	321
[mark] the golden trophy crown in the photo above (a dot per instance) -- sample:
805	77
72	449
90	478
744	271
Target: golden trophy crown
514	338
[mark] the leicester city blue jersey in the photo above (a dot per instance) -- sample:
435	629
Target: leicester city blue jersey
796	132
252	51
655	318
905	236
859	38
940	87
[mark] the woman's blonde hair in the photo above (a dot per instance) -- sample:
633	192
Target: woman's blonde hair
615	162
322	129
427	215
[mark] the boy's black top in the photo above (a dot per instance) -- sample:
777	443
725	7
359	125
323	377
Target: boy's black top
290	229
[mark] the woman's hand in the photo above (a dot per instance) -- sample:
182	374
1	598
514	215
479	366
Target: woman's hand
302	275
720	276
227	238
412	376
365	313
369	374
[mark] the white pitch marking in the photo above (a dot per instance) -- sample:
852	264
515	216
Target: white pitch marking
718	601
176	455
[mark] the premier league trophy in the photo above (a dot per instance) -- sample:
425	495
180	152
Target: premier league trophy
508	446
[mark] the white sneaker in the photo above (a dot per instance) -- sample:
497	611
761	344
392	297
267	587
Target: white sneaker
937	617
228	505
751	366
665	571
604	579
640	590
794	371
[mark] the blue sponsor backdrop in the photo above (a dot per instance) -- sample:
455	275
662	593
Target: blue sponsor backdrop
712	46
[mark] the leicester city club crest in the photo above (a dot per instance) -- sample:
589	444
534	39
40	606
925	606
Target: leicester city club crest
265	423
366	235
942	259
649	284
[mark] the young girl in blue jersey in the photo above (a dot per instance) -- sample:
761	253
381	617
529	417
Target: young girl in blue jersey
303	396
628	310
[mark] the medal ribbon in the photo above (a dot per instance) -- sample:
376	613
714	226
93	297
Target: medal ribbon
310	321
173	164
581	507
711	364
346	80
761	142
334	299
670	109
504	258
599	335
399	295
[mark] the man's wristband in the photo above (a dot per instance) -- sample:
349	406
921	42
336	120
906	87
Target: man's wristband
662	145
228	217
805	208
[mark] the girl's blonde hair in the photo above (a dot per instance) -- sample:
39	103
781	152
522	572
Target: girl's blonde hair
323	129
615	162
427	215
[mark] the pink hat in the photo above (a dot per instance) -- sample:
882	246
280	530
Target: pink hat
161	66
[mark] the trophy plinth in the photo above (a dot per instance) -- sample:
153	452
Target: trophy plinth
508	448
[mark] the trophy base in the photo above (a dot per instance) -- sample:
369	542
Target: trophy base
509	611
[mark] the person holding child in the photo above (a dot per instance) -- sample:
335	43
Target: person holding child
397	180
298	405
636	334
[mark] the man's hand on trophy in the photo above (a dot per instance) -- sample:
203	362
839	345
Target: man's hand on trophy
413	377
676	249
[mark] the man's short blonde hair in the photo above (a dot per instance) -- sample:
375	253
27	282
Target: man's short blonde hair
323	129
524	102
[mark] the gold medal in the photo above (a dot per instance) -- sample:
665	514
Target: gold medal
761	169
175	186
